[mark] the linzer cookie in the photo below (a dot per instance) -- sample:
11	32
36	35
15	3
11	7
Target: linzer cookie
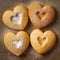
16	19
18	43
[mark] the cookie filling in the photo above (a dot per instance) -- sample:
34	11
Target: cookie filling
18	44
17	19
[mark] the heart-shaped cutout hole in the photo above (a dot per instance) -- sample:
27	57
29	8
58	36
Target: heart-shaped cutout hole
18	44
42	41
17	19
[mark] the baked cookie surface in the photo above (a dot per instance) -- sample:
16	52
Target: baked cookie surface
16	19
41	16
42	42
18	43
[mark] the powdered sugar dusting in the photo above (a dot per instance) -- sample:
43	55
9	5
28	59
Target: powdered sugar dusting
18	44
17	19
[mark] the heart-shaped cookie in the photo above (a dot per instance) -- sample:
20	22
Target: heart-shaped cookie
42	42
41	16
18	43
16	19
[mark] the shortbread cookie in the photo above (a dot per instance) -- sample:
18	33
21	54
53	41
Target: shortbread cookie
42	42
16	19
18	43
41	16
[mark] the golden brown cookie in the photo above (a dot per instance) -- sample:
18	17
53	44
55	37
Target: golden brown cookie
42	42
41	16
16	19
18	43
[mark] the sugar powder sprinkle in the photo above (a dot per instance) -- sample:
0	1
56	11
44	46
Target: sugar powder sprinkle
18	44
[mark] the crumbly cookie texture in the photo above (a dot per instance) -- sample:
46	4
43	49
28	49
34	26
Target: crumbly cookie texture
42	42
